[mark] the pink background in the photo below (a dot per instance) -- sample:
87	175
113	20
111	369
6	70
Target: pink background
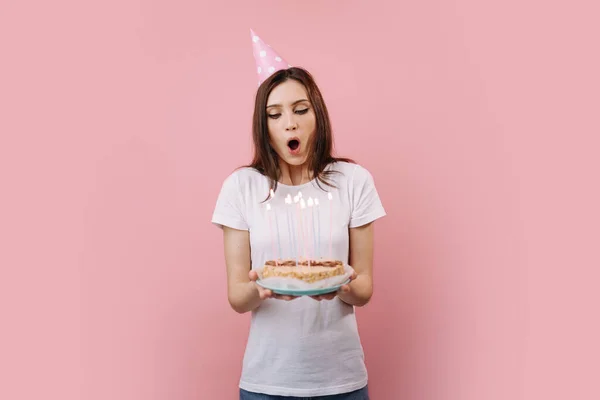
479	121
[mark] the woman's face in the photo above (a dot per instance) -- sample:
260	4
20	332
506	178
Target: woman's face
291	121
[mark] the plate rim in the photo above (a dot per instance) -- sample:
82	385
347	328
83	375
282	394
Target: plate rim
303	292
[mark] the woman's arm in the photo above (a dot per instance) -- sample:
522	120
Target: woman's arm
359	291
243	293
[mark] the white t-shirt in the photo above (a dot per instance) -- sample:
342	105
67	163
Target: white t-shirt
301	347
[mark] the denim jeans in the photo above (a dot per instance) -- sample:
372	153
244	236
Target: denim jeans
360	394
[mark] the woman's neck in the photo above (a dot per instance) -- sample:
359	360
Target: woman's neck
294	175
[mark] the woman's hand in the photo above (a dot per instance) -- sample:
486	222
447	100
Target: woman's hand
343	289
266	293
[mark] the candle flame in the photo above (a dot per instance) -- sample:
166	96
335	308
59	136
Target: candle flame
302	203
268	207
299	194
310	202
272	193
316	202
329	195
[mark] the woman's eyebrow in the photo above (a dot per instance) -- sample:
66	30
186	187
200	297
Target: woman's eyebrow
294	103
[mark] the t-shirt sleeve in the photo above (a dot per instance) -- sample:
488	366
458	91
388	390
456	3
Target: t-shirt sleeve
366	204
229	210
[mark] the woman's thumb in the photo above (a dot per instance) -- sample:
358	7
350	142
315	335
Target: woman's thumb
253	275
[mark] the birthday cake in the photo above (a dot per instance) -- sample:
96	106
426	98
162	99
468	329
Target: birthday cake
306	270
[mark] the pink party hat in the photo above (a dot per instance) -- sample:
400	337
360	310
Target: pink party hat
267	60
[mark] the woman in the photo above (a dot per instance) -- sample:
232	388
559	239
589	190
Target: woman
302	347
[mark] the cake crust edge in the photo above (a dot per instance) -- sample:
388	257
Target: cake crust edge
309	271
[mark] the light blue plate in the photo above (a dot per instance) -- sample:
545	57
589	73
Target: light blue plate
302	292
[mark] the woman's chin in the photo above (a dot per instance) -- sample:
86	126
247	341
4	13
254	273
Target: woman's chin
295	160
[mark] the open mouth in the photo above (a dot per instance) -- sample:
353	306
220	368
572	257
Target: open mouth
293	144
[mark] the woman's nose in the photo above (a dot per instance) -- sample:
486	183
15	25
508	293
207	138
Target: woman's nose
291	124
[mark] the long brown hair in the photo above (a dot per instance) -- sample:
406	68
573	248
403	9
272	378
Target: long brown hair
266	160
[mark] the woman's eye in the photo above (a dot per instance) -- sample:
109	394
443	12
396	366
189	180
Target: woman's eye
274	116
304	111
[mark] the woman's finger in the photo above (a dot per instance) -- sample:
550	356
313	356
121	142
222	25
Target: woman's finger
288	298
252	275
345	289
324	297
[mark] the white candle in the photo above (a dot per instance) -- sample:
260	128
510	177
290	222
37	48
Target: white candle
310	204
302	207
330	197
272	194
271	231
318	233
288	201
296	200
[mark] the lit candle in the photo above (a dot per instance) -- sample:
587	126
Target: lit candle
288	201
272	193
296	200
318	235
330	197
271	231
310	204
302	207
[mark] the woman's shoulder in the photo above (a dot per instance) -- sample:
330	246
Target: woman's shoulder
349	169
244	174
244	181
